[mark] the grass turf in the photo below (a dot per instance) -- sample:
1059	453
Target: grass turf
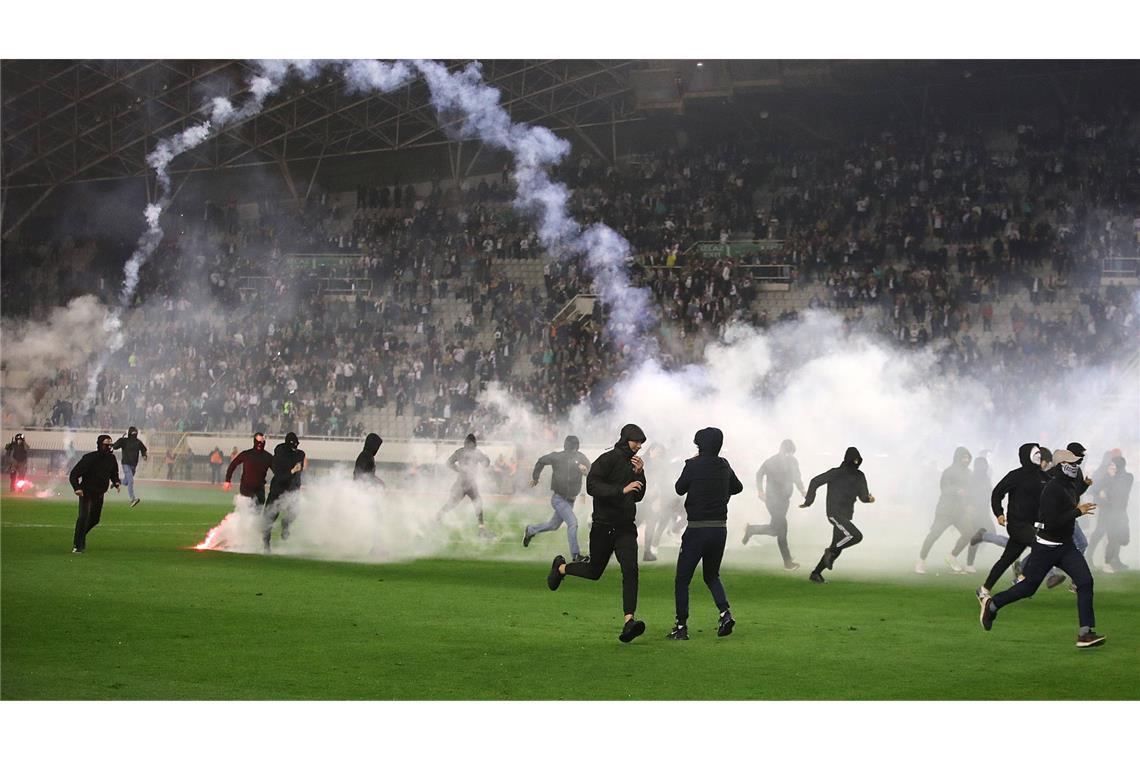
140	616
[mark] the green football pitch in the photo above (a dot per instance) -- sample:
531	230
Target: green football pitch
142	616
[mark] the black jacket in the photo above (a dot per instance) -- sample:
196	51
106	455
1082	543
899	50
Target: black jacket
708	481
565	477
1116	489
845	483
254	465
1058	510
17	451
131	447
365	468
783	473
285	457
609	475
954	486
1023	486
95	472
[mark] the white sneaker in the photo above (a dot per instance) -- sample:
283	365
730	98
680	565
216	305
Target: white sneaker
971	569
982	592
1108	569
952	562
920	567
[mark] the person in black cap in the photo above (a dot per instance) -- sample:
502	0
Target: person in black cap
567	468
132	448
707	482
287	464
90	478
254	463
1023	487
617	482
783	472
1053	546
365	467
952	510
845	483
466	462
17	451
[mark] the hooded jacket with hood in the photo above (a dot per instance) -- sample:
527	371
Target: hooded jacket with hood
96	471
565	477
708	481
955	485
255	463
286	456
131	446
1024	488
365	467
609	475
17	449
467	461
845	484
1116	489
783	473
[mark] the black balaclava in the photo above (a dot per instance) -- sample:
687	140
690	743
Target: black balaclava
259	445
709	440
372	443
469	442
103	443
292	440
571	443
787	446
852	457
132	432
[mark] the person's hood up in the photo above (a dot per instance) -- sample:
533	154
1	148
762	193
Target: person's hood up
960	452
372	443
99	441
709	440
852	457
132	432
291	440
632	432
571	443
1025	454
469	442
787	446
1119	462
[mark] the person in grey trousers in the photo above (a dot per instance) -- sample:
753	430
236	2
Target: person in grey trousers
567	468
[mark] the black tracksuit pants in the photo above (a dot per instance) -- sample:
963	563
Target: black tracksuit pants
704	545
1041	560
620	542
942	521
90	510
778	527
844	535
1021	537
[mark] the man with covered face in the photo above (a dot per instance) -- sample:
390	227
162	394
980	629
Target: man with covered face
566	470
365	467
1053	546
1023	489
952	510
132	449
466	462
17	451
782	473
617	482
845	484
287	464
90	478
254	463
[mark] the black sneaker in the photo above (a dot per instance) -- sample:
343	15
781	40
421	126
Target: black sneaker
988	615
828	558
679	633
1090	639
817	578
135	502
554	578
631	630
581	558
977	537
648	556
727	621
526	539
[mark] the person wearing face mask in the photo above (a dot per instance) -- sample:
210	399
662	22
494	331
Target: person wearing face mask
1057	513
90	478
617	482
1023	488
365	466
1056	578
287	464
254	463
1112	493
952	511
845	483
132	448
17	451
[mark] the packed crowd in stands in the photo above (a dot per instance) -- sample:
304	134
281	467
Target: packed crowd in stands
920	238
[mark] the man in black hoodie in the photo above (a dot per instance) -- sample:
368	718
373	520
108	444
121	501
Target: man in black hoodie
1054	547
466	462
254	463
566	470
617	482
90	478
707	482
952	510
1023	486
17	451
783	472
288	462
845	483
132	448
365	467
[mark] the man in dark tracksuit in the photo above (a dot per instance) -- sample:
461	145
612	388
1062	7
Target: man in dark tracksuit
254	465
288	461
365	467
783	472
707	482
845	483
132	447
952	510
17	451
90	477
566	470
617	482
1023	486
467	461
1054	547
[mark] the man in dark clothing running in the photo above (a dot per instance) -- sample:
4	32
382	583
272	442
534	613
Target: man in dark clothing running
707	482
90	478
288	461
365	467
17	451
1023	487
466	462
566	470
783	472
952	510
845	483
617	482
254	465
1054	547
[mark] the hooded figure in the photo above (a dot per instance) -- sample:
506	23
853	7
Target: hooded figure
17	451
287	463
254	463
845	484
1023	486
92	475
782	473
952	510
567	469
1112	495
467	462
365	468
616	481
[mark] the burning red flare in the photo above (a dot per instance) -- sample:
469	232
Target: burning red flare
23	485
210	541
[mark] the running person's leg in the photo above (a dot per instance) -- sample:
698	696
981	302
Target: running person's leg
937	528
601	548
129	480
553	523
